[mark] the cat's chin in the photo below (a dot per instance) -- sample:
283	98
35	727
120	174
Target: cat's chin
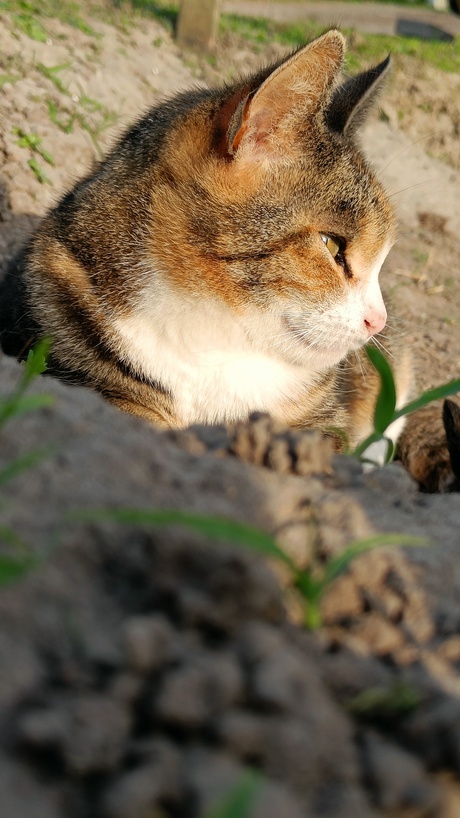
327	358
319	354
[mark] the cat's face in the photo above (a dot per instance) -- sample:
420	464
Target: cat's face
285	225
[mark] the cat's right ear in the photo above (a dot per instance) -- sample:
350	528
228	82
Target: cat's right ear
262	120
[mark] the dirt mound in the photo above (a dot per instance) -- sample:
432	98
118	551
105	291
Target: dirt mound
144	670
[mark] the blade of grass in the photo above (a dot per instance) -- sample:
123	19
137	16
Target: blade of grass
437	393
27	461
212	527
238	803
338	565
14	568
35	365
386	401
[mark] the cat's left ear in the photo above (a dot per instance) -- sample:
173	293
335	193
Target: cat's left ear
264	122
352	101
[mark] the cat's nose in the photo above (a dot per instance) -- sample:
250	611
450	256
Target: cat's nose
375	320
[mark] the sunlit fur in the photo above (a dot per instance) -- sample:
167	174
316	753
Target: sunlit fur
187	279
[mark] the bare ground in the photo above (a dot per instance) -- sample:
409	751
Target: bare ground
142	673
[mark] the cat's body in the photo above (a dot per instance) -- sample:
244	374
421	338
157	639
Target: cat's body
223	259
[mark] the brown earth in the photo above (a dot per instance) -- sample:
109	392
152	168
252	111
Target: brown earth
143	671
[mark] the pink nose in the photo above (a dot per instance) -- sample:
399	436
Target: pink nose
374	321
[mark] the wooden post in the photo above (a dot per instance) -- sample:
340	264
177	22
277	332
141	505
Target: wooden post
197	24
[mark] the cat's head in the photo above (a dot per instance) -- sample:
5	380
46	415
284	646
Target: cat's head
270	208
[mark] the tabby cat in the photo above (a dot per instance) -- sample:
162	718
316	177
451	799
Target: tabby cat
225	258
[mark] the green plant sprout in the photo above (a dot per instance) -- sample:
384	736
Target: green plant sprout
57	119
15	566
51	74
91	115
4	78
311	583
34	143
239	801
385	409
18	403
385	703
29	25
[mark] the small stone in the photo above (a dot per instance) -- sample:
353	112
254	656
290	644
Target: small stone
313	454
397	779
449	650
416	615
275	800
196	692
280	681
342	600
99	728
43	728
378	636
148	642
126	687
346	675
242	732
138	793
387	602
278	456
258	640
433	731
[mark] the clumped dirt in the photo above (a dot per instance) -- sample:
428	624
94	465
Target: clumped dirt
143	673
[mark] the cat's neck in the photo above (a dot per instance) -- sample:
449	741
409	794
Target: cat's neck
217	365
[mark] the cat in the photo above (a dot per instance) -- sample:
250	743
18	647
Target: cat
224	258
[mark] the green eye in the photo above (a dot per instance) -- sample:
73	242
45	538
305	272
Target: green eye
332	244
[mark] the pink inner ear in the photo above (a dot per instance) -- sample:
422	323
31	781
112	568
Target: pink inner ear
243	127
259	127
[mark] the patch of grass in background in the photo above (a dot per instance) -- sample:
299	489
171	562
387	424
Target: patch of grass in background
363	50
29	16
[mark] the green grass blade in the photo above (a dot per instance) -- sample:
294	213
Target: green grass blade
385	703
309	586
31	27
16	403
45	155
238	803
212	527
14	568
373	438
8	536
30	403
338	565
38	171
386	401
37	357
437	393
27	461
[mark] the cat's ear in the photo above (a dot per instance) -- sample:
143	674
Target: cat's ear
265	120
353	100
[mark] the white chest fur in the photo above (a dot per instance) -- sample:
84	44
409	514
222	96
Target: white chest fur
217	365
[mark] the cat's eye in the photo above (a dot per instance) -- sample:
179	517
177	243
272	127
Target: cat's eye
332	244
336	247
